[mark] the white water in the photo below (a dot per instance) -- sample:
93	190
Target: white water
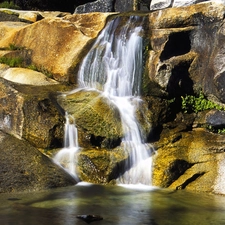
66	157
114	66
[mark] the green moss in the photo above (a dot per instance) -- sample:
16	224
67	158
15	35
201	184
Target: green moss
12	61
41	69
191	103
8	5
15	47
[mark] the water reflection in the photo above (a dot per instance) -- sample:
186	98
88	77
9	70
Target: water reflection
117	205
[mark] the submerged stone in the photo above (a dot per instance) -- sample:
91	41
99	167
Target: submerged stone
90	218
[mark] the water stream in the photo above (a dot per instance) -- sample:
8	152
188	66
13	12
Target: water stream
67	156
113	66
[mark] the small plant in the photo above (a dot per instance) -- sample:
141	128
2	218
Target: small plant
215	130
13	47
41	69
12	61
9	5
195	104
221	131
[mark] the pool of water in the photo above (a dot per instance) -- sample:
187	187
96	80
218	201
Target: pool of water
117	205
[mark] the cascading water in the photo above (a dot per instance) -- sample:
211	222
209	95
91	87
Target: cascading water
113	66
67	156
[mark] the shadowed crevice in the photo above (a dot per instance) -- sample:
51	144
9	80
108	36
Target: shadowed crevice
188	181
177	44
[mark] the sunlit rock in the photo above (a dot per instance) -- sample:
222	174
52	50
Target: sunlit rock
26	76
180	41
66	41
8	29
29	112
160	4
30	16
188	160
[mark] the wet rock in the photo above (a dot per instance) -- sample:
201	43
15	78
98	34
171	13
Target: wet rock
215	119
95	116
23	168
89	218
101	166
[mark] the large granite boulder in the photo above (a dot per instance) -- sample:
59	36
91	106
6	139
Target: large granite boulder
181	39
66	40
98	120
24	168
189	159
29	112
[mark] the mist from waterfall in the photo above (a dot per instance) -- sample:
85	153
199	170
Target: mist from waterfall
114	67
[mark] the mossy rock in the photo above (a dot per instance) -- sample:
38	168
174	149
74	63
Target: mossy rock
94	115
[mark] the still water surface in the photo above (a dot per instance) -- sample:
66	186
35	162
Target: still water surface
118	205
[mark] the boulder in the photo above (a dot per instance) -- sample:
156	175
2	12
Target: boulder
96	6
26	76
29	112
101	165
67	39
95	117
23	168
189	160
180	40
162	4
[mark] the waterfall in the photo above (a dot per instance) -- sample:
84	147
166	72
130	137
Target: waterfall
114	67
66	157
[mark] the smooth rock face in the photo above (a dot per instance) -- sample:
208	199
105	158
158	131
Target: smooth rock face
157	4
24	168
188	160
26	76
28	112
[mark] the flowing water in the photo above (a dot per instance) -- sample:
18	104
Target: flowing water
67	156
113	66
117	205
